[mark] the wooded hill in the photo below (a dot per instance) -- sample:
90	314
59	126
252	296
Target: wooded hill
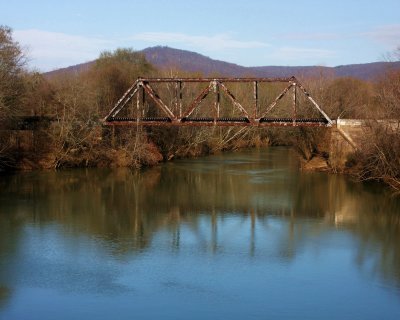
170	58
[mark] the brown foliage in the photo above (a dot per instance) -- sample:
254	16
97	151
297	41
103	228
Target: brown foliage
81	100
12	63
379	157
348	98
388	96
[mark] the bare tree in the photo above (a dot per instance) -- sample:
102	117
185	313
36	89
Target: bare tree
379	156
12	63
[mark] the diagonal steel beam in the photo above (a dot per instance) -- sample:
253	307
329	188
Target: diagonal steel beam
274	103
156	98
197	101
123	101
234	101
314	103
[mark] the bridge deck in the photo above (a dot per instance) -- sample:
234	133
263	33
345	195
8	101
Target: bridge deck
240	122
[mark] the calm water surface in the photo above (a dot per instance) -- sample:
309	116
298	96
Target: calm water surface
234	236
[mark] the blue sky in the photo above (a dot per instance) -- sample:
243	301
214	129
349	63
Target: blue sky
250	33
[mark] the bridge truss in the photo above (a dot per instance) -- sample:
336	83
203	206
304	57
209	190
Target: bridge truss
254	102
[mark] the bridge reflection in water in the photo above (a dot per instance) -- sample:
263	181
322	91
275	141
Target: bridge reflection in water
209	205
243	223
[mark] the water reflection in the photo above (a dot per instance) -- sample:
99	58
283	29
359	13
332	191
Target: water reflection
256	202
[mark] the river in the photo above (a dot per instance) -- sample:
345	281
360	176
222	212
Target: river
242	235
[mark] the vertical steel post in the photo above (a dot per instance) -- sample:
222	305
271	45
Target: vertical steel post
255	99
217	101
294	103
143	102
138	107
180	98
176	98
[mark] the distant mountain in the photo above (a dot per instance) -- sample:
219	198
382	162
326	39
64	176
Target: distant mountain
167	58
68	70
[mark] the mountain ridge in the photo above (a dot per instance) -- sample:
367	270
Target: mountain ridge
171	58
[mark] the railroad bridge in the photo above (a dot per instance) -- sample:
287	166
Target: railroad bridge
251	102
254	102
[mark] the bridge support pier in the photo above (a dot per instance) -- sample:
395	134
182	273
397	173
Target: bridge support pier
346	136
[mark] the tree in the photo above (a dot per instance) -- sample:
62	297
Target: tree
388	96
348	98
12	69
83	99
114	72
379	156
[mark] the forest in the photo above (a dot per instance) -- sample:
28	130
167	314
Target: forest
72	105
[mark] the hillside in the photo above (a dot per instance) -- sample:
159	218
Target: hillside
167	58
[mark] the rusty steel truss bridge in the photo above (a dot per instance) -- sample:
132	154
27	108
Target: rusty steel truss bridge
216	102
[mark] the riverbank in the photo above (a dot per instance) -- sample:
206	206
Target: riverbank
140	147
126	147
114	152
